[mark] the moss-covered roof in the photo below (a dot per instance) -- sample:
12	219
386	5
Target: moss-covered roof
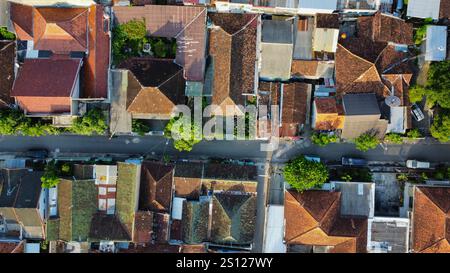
77	202
52	229
195	221
126	197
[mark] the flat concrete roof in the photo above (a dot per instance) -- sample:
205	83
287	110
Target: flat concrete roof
388	235
120	118
357	198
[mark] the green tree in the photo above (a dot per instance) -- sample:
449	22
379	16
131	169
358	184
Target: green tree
402	177
128	40
347	178
65	168
440	129
93	122
394	138
414	133
303	174
366	141
437	86
322	139
160	49
50	177
416	93
184	133
140	127
6	35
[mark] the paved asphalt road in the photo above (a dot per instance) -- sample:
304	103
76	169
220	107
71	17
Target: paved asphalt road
226	149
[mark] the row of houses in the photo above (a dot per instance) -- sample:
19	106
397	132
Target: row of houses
132	206
340	219
309	65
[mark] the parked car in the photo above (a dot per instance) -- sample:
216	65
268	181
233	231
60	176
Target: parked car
350	161
38	153
415	164
417	112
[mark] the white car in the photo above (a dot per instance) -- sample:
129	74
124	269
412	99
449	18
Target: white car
414	164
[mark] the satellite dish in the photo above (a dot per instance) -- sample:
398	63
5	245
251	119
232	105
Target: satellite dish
392	101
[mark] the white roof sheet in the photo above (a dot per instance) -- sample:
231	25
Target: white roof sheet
32	248
177	208
273	241
322	5
436	43
397	120
423	8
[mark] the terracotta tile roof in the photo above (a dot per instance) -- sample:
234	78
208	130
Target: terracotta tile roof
313	218
326	105
303	68
155	86
230	172
294	108
7	59
186	24
385	28
143	227
232	46
46	85
176	230
13	247
54	29
431	219
359	71
324	20
201	248
188	180
444	10
22	19
156	186
107	227
97	62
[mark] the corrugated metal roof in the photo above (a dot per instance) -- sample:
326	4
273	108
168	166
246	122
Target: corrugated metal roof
423	8
436	43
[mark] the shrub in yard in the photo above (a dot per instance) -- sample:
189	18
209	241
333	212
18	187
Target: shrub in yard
347	178
50	177
303	174
440	129
414	133
402	177
322	139
184	132
366	141
6	35
394	138
139	127
128	40
93	122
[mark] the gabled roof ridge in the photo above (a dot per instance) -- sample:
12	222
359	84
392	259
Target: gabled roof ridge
140	84
246	25
431	199
361	58
435	243
325	216
62	25
188	24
